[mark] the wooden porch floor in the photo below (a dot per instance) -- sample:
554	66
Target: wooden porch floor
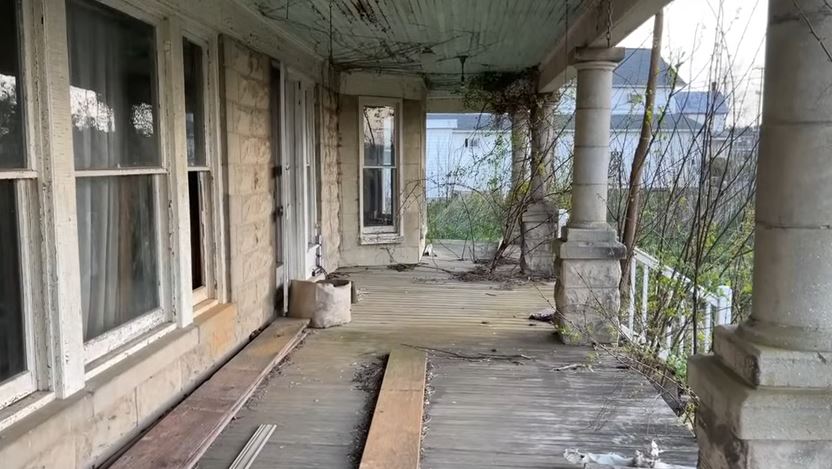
493	413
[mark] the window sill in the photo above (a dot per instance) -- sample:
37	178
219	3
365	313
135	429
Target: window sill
381	238
24	407
136	345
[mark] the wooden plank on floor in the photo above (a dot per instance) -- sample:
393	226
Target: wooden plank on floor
395	435
183	435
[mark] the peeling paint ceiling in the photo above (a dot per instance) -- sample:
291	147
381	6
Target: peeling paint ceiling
426	36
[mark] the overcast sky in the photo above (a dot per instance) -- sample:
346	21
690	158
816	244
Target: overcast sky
690	32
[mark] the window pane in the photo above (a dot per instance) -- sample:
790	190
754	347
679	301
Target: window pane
11	103
195	203
379	136
112	63
12	357
117	244
194	123
379	196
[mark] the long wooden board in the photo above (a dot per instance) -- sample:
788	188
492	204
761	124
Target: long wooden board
183	435
395	436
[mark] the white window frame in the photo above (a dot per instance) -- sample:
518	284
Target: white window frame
134	329
381	234
59	362
210	189
25	180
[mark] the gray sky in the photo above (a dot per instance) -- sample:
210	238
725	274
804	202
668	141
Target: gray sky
691	30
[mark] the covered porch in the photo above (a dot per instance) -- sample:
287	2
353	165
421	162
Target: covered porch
502	392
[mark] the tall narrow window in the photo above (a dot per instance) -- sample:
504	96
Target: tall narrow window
379	168
16	179
199	172
112	61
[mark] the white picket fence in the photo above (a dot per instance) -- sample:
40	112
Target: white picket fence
713	307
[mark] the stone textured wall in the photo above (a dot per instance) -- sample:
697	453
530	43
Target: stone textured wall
411	194
251	187
330	183
85	429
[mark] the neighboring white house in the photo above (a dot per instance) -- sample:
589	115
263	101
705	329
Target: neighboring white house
459	145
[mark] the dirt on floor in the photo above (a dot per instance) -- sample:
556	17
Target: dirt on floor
367	378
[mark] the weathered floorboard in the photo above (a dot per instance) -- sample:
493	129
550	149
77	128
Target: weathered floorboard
482	413
180	438
395	434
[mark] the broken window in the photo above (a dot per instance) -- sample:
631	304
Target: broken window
112	61
379	167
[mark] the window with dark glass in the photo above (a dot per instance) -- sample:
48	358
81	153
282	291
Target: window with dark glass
198	171
12	156
379	166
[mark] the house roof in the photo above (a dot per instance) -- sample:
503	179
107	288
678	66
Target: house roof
475	121
635	68
701	102
489	122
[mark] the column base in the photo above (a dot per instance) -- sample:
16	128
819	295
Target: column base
539	232
586	293
761	407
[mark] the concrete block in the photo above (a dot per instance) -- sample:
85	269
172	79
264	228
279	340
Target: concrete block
61	455
24	443
785	414
247	62
158	393
589	273
587	315
110	428
721	449
760	365
255	151
252	93
217	332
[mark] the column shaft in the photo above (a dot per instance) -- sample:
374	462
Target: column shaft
765	395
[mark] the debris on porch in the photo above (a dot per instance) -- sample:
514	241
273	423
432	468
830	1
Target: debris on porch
492	397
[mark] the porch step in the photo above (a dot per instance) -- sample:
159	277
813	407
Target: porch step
395	435
180	438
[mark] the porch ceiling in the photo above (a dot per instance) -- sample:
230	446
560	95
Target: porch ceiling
391	35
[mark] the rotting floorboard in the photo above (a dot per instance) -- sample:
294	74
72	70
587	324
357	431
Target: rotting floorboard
494	413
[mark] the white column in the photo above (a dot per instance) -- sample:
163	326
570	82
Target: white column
592	136
764	396
588	259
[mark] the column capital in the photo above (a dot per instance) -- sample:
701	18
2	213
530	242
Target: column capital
598	56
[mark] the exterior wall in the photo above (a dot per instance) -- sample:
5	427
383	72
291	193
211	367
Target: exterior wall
330	182
251	187
411	194
89	426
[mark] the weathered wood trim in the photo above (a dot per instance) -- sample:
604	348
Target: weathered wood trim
177	150
395	437
58	210
183	435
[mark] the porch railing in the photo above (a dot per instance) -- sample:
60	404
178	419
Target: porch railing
709	308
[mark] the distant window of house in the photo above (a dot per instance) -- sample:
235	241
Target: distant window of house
379	165
119	170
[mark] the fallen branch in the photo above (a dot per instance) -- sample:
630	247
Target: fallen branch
476	357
